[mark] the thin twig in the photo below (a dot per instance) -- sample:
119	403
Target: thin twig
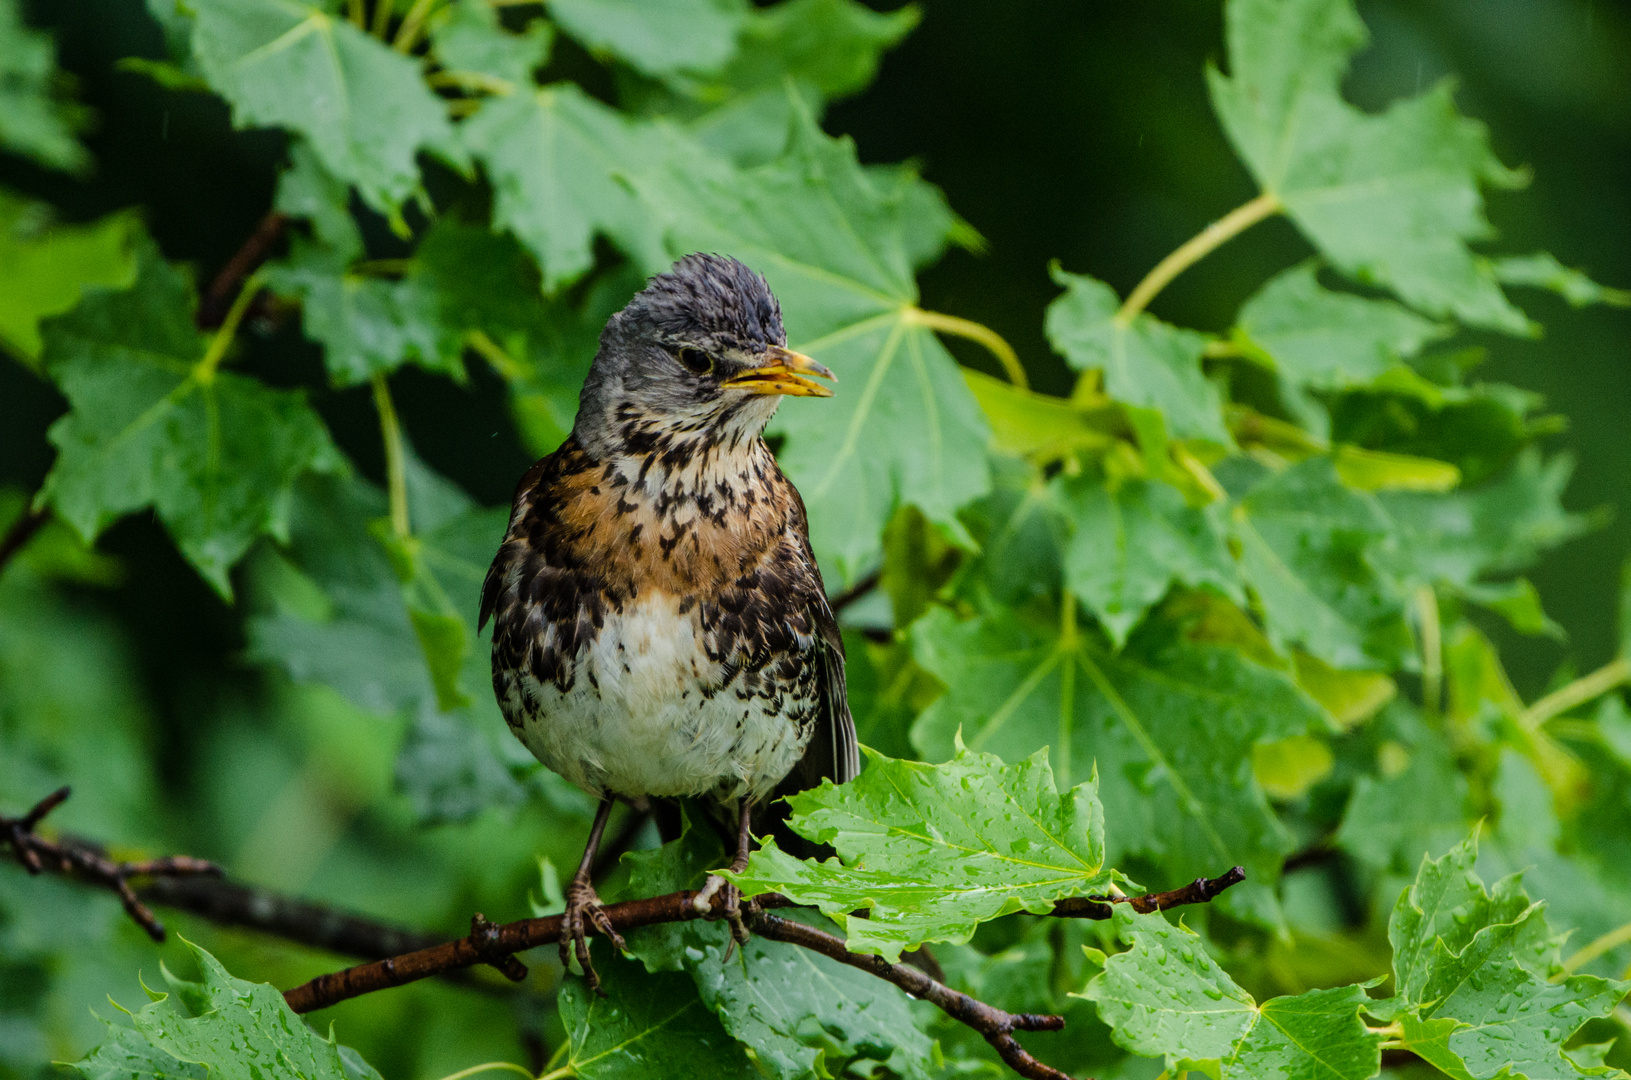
224	288
326	990
855	592
1200	891
231	903
37	854
21	532
995	1025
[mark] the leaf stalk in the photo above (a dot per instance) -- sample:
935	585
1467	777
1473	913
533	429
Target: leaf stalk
976	332
1195	249
396	474
217	350
1577	693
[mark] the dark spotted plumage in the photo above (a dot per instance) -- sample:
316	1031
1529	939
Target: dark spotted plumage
659	623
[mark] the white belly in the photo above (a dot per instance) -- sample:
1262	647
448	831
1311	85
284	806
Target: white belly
644	714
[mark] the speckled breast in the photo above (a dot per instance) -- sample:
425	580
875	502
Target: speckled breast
656	639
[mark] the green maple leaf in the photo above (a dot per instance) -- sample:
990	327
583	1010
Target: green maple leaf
1022	531
1169	723
646	1025
1474	975
1496	528
468	40
904	428
366	325
1542	271
390	626
151	424
1394	819
559	163
46	265
800	1012
1329	340
656	39
1132	543
832	46
1581	893
127	1055
222	1027
1146	362
362	106
307	190
461	279
1309	548
34	119
932	851
1165	996
1391	199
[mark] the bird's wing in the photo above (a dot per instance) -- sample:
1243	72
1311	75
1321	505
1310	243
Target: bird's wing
833	753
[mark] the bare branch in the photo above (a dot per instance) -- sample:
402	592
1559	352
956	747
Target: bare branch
855	592
408	956
995	1025
37	854
231	903
1200	891
223	290
490	944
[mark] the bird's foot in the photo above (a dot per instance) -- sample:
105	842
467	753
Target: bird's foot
583	911
730	907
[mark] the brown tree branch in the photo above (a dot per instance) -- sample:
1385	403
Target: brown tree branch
995	1025
489	943
1200	891
231	903
223	289
408	956
855	592
37	854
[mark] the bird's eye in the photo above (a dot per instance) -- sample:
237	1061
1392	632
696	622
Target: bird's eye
696	361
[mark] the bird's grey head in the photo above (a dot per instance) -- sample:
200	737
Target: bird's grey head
698	356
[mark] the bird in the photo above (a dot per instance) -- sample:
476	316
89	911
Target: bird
660	625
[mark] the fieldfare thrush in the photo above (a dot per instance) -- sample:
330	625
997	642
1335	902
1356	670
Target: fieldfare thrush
660	626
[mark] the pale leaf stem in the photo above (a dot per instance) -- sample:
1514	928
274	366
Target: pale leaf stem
1577	693
382	17
1197	248
1606	943
407	35
507	366
205	371
490	1066
1432	650
396	475
976	332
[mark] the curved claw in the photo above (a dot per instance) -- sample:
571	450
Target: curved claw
729	908
581	902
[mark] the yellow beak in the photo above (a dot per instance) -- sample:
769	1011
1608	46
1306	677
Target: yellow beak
785	374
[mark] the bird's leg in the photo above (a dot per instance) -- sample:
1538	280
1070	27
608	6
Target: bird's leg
582	903
730	894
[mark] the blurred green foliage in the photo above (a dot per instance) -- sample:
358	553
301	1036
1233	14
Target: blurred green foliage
1232	577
